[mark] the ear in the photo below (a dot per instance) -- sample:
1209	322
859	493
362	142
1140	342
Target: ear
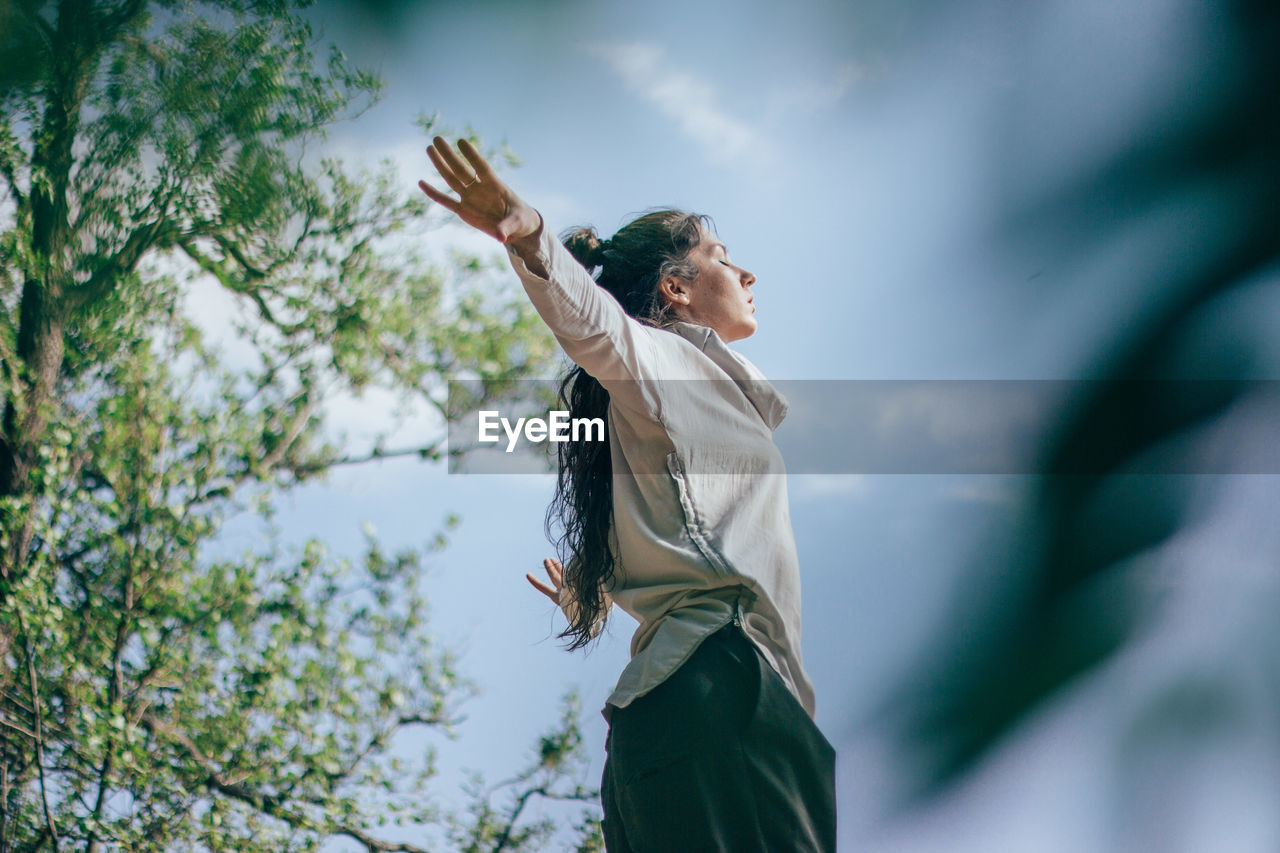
674	290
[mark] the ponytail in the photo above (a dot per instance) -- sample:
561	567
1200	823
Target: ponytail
630	266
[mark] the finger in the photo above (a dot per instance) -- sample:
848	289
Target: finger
445	170
543	588
460	169
439	197
554	571
477	161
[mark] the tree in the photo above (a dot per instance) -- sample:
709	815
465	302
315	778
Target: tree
155	693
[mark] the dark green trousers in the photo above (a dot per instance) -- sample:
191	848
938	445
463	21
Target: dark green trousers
719	757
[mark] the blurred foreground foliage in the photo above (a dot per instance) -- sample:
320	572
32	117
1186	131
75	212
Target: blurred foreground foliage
1174	206
157	693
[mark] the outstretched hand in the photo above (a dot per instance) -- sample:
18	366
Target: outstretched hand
484	202
554	571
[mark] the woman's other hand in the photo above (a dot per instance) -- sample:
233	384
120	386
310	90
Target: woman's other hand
554	571
484	202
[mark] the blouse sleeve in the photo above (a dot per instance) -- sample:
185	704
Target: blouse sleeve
590	325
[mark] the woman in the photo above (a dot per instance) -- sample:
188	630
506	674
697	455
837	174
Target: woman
681	519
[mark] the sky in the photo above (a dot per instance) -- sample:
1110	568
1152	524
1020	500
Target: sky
859	159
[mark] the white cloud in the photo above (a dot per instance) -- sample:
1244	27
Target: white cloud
987	489
686	98
805	487
814	95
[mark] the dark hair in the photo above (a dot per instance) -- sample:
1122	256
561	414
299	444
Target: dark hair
630	265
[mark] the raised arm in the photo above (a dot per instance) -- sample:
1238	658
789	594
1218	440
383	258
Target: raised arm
589	323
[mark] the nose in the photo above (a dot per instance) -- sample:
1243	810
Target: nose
748	278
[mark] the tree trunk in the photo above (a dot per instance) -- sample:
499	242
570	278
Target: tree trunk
41	317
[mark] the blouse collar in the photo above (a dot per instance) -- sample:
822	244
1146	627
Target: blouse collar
766	399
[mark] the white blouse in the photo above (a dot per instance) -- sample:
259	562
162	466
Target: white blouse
702	531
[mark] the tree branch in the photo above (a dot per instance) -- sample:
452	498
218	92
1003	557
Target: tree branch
377	741
36	844
235	285
272	805
374	845
225	487
513	816
296	425
252	273
123	262
39	24
4	805
39	731
113	691
11	178
428	451
109	25
20	730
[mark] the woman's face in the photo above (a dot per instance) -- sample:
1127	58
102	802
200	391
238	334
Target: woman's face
720	296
